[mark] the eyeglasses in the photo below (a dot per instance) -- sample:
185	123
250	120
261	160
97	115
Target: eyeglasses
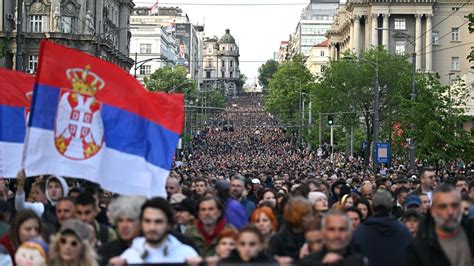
73	243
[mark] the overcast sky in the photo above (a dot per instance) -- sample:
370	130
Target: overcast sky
257	29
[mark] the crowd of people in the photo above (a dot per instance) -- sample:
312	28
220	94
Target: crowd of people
247	193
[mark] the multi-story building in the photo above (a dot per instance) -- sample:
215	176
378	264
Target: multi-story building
315	20
152	45
188	39
435	30
283	51
221	63
98	27
318	57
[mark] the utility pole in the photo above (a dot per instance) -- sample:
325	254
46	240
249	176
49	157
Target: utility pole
19	40
376	114
413	98
332	142
310	118
319	133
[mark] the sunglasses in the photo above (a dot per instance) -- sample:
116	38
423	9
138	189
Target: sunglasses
64	241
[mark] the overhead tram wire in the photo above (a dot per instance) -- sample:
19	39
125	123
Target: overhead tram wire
227	4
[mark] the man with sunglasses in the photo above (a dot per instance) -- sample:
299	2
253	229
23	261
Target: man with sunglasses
157	244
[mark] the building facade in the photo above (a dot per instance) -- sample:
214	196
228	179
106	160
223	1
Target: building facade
315	21
98	27
152	45
318	58
283	52
433	29
221	63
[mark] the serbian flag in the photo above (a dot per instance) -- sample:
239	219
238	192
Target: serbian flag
15	95
90	119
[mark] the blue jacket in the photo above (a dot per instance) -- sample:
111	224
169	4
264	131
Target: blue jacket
383	240
236	214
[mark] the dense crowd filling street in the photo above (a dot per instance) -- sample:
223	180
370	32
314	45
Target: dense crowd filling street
247	191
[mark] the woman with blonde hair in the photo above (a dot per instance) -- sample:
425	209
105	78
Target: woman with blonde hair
71	246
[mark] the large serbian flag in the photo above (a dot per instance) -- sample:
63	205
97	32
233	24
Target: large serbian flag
15	95
90	119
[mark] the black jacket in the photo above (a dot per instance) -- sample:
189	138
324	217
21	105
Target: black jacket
351	258
112	249
261	258
426	250
383	240
286	243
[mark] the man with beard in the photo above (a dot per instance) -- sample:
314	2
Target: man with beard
210	223
461	184
237	188
336	231
443	237
157	244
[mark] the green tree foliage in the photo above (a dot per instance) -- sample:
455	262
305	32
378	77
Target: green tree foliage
171	79
347	88
289	84
241	81
266	72
471	30
438	115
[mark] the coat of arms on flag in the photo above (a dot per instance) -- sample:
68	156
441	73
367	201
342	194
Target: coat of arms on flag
78	131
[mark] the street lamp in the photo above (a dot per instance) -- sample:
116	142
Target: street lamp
413	94
376	102
140	63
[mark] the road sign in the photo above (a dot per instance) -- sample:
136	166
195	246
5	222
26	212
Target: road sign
382	152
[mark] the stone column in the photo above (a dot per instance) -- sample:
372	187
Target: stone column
366	33
429	44
375	31
385	32
124	14
356	34
351	34
418	49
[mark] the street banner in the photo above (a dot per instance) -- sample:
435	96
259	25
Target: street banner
382	152
90	119
15	95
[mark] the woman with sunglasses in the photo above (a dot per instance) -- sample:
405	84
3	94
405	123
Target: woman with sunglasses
250	248
71	246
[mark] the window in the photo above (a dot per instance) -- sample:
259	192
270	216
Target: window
231	63
223	74
223	63
145	70
66	24
322	53
455	34
37	23
455	63
455	8
145	48
400	24
231	74
399	47
435	37
209	63
208	74
32	63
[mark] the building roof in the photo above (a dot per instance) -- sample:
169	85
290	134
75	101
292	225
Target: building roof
324	43
227	38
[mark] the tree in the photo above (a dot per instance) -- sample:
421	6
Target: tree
438	113
286	89
241	81
471	30
171	79
266	72
347	89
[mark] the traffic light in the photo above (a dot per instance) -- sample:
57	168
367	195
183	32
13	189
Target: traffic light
330	120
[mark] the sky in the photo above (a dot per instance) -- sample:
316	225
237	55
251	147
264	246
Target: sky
258	29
